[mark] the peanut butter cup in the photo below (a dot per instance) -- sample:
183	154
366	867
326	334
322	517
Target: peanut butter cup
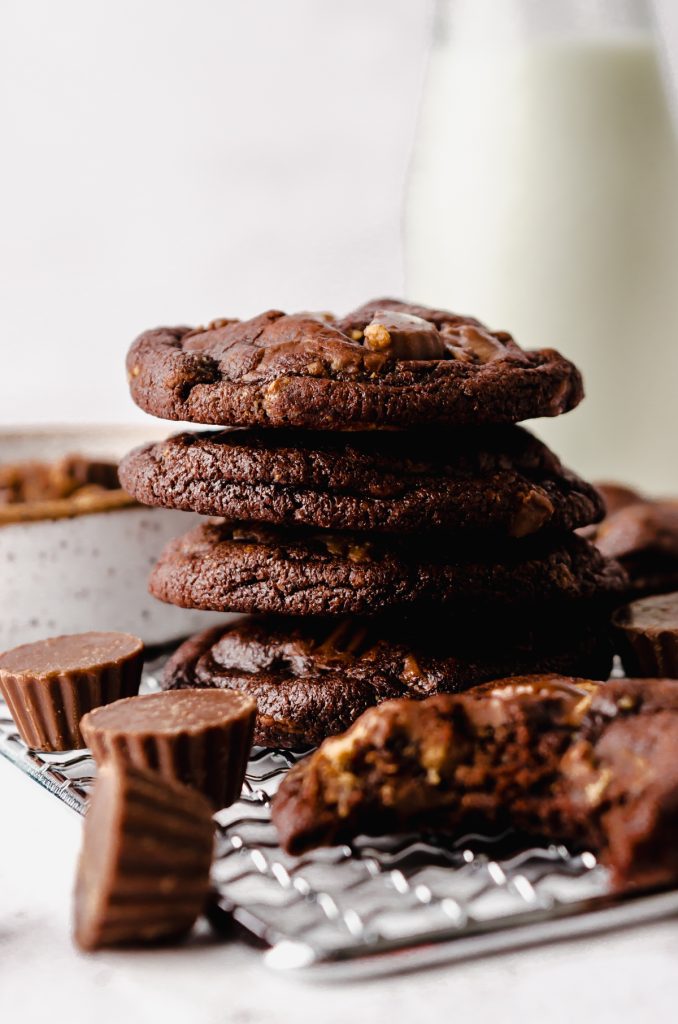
198	737
143	874
647	636
49	685
388	364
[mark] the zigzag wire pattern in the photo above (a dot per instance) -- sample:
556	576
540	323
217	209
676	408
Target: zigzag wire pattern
353	900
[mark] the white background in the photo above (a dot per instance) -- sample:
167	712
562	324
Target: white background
178	160
171	162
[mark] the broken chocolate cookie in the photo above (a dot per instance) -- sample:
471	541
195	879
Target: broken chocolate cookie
564	758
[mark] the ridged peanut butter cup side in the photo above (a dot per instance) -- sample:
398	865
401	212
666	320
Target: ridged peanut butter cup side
198	737
647	636
143	874
50	684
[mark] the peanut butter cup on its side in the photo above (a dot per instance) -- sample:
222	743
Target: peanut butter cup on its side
143	873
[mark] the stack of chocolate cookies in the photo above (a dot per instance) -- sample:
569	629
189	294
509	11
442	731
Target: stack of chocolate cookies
384	524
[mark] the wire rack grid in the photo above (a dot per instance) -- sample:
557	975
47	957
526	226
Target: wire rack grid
377	905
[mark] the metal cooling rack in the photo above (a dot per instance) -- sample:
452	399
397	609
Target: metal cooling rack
377	905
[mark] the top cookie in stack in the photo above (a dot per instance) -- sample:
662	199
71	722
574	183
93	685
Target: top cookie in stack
388	364
394	485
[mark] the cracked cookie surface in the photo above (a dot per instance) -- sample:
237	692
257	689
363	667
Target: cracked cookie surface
388	364
248	567
493	478
312	677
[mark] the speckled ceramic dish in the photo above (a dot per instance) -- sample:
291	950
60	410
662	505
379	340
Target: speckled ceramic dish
89	570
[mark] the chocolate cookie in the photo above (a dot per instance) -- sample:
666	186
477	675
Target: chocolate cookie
312	677
248	568
500	479
642	533
388	364
563	758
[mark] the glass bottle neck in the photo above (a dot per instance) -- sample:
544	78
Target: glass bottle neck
502	22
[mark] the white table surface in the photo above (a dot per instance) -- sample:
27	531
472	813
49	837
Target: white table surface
627	976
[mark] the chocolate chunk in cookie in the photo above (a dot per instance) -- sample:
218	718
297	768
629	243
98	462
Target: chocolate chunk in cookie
563	758
388	364
500	479
312	677
252	568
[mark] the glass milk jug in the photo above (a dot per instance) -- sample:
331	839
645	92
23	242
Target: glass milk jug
543	198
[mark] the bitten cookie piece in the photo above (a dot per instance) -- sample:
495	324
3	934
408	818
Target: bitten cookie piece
564	758
388	364
199	737
312	677
501	479
247	567
50	684
143	874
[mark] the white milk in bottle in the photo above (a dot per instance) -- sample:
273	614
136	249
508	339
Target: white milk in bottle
543	199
